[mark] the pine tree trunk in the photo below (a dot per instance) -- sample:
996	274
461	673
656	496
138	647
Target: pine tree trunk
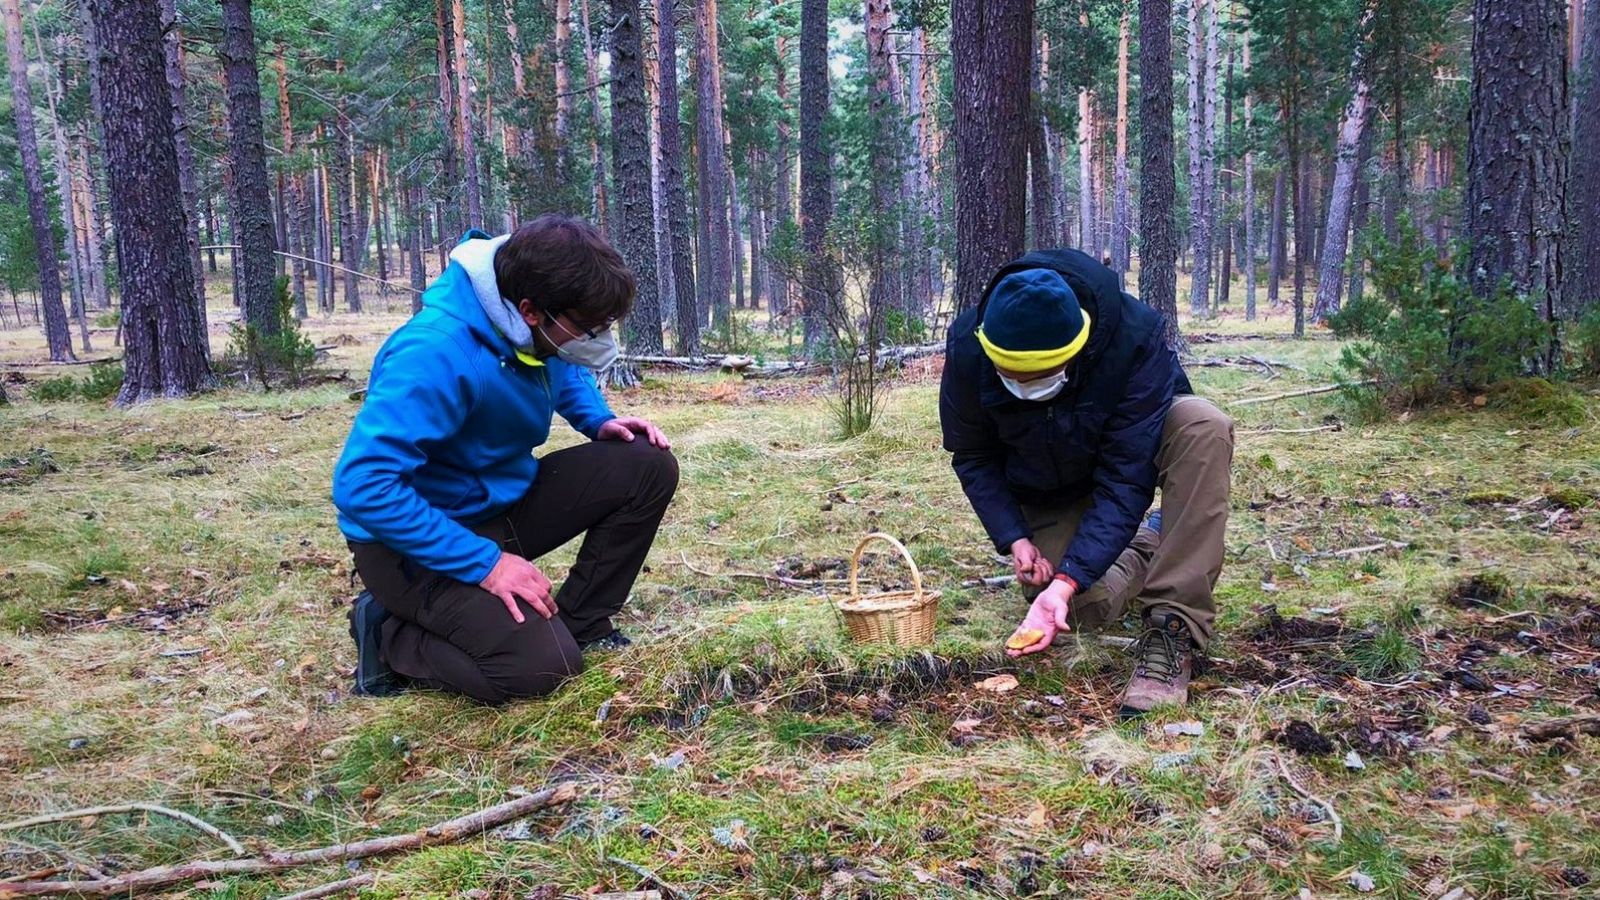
1221	207
760	200
252	195
717	283
465	142
57	333
991	44
687	319
1205	204
1277	235
415	213
930	142
1248	209
1041	200
816	170
1582	258
450	203
562	47
919	211
1121	209
783	201
601	209
736	222
1360	213
375	192
884	158
61	161
343	194
165	343
658	184
295	233
1196	117
1158	239
630	142
1086	229
1518	128
1347	165
173	45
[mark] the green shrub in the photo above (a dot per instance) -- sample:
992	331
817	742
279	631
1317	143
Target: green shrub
1435	339
288	354
56	390
109	319
901	328
1359	318
1583	345
103	382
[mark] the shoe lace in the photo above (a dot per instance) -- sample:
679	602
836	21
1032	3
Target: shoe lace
1159	654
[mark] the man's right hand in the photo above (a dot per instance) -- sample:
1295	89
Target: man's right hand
514	578
1031	566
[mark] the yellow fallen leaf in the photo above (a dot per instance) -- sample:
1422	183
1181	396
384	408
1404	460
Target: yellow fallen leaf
1037	816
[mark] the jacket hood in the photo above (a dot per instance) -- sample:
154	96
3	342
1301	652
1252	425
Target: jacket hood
492	317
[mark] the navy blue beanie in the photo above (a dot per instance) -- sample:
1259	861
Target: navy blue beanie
1033	322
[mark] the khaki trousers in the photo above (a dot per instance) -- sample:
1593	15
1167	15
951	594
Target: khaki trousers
1175	570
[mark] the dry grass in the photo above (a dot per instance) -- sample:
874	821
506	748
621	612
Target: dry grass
204	526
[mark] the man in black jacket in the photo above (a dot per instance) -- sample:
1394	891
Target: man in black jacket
1065	409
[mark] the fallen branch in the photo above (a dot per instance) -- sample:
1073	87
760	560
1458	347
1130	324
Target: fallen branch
1369	548
1316	430
667	889
683	560
991	582
69	815
1333	814
1304	392
448	832
1566	727
332	887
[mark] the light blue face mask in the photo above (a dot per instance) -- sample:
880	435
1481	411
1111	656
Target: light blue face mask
1038	389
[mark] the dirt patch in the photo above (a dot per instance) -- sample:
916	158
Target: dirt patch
1484	591
1275	628
1300	737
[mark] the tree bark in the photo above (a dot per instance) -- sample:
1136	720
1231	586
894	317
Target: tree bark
630	142
1518	130
1582	259
991	43
1276	236
687	320
921	211
1121	210
563	51
463	108
1352	128
165	343
1248	208
1195	118
736	226
1158	239
1086	229
816	169
252	196
1041	199
717	283
783	201
1206	189
58	335
295	236
343	194
600	207
451	200
176	81
61	161
1360	213
1221	208
884	159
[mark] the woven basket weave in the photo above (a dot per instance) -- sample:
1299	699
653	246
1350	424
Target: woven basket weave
905	618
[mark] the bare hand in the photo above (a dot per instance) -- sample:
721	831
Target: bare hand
624	428
1048	615
1031	566
514	578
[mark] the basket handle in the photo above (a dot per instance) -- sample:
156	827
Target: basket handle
855	562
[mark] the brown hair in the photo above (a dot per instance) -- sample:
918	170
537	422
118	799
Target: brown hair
565	265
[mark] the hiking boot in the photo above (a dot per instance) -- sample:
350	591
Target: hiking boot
614	641
1163	663
374	678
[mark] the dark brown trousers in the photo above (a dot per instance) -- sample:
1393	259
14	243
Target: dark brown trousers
459	637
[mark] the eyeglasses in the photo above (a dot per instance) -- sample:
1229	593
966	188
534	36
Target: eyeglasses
584	333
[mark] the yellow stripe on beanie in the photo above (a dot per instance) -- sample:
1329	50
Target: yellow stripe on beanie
1034	360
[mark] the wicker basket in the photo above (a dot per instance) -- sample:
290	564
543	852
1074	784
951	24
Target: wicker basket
888	617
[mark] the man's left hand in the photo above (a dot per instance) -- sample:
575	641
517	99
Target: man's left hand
625	427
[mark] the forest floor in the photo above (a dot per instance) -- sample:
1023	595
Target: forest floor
1399	601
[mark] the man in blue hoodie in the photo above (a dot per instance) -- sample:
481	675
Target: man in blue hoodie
1064	409
443	503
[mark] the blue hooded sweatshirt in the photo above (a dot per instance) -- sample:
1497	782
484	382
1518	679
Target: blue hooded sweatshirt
445	439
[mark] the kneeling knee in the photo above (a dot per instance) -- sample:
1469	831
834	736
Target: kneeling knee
535	671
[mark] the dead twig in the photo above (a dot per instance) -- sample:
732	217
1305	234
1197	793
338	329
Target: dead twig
1333	814
70	814
1369	548
1304	392
448	832
333	887
668	890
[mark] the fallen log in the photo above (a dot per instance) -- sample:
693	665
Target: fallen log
448	832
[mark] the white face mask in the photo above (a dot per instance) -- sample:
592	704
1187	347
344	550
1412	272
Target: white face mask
1037	389
595	353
